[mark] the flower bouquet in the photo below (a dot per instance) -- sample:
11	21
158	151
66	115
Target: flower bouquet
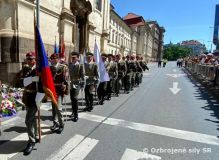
10	101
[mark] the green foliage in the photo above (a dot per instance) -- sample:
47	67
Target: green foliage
173	52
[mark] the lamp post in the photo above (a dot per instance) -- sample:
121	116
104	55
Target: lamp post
215	36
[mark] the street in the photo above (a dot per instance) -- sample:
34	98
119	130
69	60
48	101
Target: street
168	117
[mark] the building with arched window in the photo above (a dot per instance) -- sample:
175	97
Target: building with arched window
78	22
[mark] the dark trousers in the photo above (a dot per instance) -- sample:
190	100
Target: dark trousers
74	100
89	95
137	78
118	85
159	64
133	80
30	120
101	91
57	112
127	82
109	89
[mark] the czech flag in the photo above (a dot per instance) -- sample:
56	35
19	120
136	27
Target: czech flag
43	68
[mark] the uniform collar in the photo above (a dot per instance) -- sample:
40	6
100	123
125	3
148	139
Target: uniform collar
76	63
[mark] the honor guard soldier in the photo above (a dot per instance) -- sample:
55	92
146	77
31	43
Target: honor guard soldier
101	89
143	64
113	75
76	71
91	79
60	77
29	79
133	68
122	70
128	75
139	73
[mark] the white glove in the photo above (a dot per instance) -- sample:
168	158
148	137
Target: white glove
86	77
35	79
27	81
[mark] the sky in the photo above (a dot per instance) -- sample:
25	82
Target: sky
182	19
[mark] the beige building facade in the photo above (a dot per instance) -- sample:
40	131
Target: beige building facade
120	35
79	23
158	34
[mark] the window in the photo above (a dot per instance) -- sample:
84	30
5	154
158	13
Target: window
98	4
113	37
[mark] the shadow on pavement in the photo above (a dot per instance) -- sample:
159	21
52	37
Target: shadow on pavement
17	129
13	147
209	92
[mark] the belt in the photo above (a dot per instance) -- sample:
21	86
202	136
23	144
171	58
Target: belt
29	91
58	84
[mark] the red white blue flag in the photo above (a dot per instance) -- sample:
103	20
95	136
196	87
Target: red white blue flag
43	68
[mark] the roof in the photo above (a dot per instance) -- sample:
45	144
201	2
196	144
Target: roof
134	20
131	16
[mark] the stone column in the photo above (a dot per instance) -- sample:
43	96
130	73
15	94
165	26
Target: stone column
68	30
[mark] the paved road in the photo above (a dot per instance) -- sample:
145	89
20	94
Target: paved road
152	122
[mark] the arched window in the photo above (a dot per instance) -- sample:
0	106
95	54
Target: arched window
99	5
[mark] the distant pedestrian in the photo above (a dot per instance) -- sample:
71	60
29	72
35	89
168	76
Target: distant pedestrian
164	62
159	63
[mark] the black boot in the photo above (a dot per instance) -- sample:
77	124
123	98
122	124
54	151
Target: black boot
90	108
60	129
29	148
37	140
54	127
75	119
101	102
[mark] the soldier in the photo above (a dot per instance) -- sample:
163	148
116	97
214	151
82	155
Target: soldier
29	79
91	76
122	70
76	71
133	68
113	74
143	64
127	78
101	90
139	73
60	77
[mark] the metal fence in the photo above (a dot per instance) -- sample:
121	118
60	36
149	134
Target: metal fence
206	72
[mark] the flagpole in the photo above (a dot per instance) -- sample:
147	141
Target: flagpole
38	26
38	12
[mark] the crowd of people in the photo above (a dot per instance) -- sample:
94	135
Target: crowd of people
205	59
125	73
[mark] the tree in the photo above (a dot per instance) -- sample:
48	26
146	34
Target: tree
173	52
